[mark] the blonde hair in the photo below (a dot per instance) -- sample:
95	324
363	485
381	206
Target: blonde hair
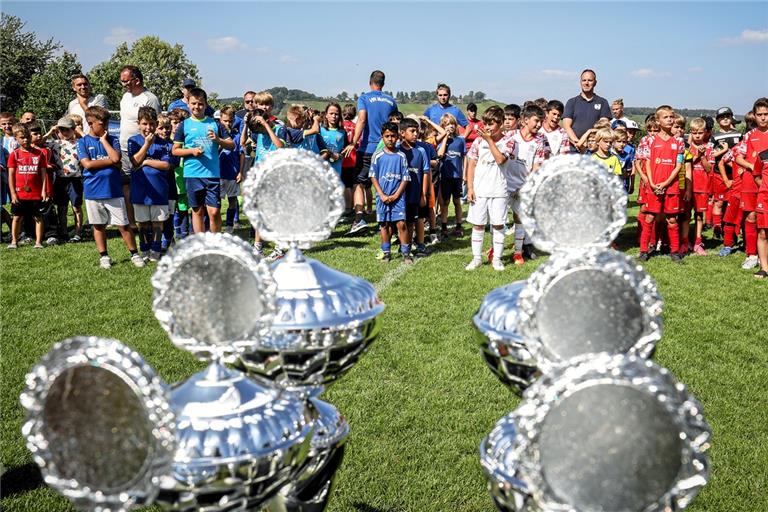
679	121
603	133
76	118
618	101
447	119
698	124
163	120
622	132
264	98
602	123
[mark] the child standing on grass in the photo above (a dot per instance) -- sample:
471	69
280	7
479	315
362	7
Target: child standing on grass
605	139
181	215
389	175
99	154
150	158
334	137
163	135
229	162
487	175
699	165
416	191
559	143
349	164
27	181
451	152
68	186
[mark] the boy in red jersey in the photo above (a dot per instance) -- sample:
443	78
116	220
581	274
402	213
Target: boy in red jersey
733	214
662	170
27	181
747	156
651	128
762	215
700	168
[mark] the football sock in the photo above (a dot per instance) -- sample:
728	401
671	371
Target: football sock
103	253
155	246
477	243
498	242
750	238
717	219
699	241
230	217
386	247
519	237
729	231
673	232
405	249
647	230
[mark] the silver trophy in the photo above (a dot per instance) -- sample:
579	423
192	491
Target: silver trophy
324	319
609	433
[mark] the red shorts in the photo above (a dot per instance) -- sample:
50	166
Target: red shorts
700	201
762	220
748	201
641	192
719	190
762	202
733	213
671	204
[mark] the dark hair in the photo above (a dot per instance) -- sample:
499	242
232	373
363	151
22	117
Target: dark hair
349	112
471	107
408	122
377	78
443	86
396	114
329	105
512	109
147	114
34	126
135	72
533	110
588	71
198	93
555	105
79	75
760	103
389	127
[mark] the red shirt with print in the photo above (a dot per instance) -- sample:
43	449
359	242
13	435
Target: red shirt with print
28	168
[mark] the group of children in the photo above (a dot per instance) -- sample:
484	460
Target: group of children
186	161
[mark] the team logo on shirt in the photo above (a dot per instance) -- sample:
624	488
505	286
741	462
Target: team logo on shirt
673	146
597	106
35	160
658	160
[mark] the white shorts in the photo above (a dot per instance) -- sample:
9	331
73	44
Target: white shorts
106	211
229	188
488	209
150	212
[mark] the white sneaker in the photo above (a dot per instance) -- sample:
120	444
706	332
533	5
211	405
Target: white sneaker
138	261
750	262
145	256
475	263
433	239
154	256
105	262
497	264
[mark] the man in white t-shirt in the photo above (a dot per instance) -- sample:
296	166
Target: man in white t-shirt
84	98
135	97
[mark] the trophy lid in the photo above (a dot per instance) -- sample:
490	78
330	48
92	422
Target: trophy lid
581	303
224	417
293	195
213	296
547	204
99	424
499	315
609	433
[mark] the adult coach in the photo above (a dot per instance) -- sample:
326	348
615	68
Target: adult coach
373	109
443	106
84	98
135	97
583	111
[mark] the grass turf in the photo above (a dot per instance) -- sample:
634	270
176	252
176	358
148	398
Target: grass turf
421	399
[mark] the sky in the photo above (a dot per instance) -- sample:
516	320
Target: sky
701	54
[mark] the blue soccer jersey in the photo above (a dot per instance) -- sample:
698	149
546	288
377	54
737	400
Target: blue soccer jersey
263	142
390	170
193	133
104	183
335	140
149	185
429	148
229	160
377	106
418	164
435	111
453	161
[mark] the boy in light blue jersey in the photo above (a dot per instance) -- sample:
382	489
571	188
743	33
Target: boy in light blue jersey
334	137
298	135
198	140
389	175
417	191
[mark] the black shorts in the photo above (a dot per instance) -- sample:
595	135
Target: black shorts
68	190
424	212
411	212
26	208
363	168
348	175
450	187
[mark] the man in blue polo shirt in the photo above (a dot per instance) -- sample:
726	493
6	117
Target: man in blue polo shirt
583	111
443	106
373	109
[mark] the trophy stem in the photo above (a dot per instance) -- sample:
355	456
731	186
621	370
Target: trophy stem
294	254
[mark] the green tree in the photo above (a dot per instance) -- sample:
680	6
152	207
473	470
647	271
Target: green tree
22	56
479	96
49	92
164	67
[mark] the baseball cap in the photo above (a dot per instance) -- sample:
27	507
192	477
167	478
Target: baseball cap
724	111
709	122
65	122
188	82
631	125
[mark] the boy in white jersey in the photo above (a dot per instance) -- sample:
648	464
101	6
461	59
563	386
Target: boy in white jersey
559	143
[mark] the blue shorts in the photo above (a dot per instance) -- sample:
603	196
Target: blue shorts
203	192
68	190
390	212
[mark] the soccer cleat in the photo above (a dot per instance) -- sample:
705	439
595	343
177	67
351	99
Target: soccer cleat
725	251
276	254
357	227
138	261
644	256
38	246
52	240
761	274
676	257
699	249
154	256
497	264
380	255
750	263
13	245
475	263
528	253
420	252
386	257
518	259
75	239
489	255
145	256
407	259
457	231
105	262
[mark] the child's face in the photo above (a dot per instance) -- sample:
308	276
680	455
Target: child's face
97	126
698	135
553	117
653	131
35	137
532	124
332	116
510	122
494	128
197	107
678	130
619	144
761	118
604	145
617	111
6	123
174	124
592	143
147	127
263	106
472	114
666	120
390	139
410	134
631	132
164	130
66	133
725	123
450	128
295	120
226	121
23	139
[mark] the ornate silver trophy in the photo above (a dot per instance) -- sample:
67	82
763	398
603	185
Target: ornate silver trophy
324	319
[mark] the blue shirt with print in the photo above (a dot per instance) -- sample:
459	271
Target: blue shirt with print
229	159
193	133
378	106
435	111
418	164
149	185
104	183
453	161
390	170
334	139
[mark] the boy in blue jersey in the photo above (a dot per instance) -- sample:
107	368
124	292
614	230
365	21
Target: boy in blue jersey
389	175
150	157
198	140
297	134
436	111
451	152
100	157
417	191
229	164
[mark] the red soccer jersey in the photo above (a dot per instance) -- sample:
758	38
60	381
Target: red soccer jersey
662	155
28	168
351	159
470	131
753	143
761	167
730	158
699	176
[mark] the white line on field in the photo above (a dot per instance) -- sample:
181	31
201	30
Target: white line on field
391	276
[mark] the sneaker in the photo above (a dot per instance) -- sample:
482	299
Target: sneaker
154	256
421	252
518	259
276	254
13	246
761	274
106	262
457	231
644	256
229	230
489	255
358	226
699	249
528	253
475	263
24	239
38	246
145	256
434	239
750	263
52	240
725	251
138	261
497	264
408	259
386	257
676	257
380	255
76	238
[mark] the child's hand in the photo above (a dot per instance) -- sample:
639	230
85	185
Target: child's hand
260	120
149	139
347	150
471	195
197	151
14	198
212	136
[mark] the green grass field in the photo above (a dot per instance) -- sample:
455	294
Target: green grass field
421	399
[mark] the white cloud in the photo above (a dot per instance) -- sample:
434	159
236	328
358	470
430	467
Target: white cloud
648	73
225	44
119	35
558	73
747	36
288	59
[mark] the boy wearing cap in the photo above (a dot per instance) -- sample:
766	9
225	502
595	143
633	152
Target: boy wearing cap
183	103
68	185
